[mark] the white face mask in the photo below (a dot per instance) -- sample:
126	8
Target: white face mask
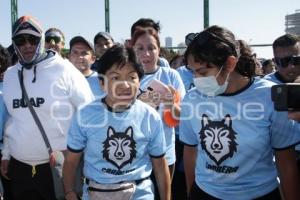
209	85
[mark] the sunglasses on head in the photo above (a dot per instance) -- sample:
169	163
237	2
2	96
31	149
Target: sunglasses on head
56	39
284	62
189	38
21	40
202	37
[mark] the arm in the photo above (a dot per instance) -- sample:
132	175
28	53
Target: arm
150	98
176	111
189	160
294	115
288	173
69	171
5	158
162	177
4	168
172	109
172	102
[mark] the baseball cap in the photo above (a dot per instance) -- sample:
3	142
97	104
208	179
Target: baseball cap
78	39
105	35
27	25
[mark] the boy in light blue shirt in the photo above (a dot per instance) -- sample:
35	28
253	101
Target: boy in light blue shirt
121	137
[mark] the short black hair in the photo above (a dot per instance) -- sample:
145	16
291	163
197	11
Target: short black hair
267	62
286	40
118	54
145	23
5	60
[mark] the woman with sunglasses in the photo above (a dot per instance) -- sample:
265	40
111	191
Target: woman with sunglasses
230	130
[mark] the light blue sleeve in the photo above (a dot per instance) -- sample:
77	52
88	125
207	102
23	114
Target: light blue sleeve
178	83
157	144
93	81
186	132
284	132
163	62
76	137
3	116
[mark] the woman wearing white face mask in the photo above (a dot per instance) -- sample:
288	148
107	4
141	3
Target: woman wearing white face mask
209	85
230	129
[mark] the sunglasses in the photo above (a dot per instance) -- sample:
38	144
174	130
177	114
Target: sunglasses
204	36
189	38
56	39
21	40
284	62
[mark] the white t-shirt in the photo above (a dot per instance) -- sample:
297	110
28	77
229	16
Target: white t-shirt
59	89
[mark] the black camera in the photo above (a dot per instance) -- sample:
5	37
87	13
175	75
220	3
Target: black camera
286	97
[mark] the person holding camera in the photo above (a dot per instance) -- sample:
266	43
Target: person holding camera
229	130
295	115
286	50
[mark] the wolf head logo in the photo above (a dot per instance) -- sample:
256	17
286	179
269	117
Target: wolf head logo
119	147
218	138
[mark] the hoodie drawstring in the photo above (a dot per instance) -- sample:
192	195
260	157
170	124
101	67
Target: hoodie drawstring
34	74
22	83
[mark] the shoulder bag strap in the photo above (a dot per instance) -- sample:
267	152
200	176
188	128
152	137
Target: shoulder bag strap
33	113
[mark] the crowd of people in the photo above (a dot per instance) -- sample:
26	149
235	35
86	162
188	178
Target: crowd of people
122	122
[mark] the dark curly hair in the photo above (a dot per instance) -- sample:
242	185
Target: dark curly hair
214	45
247	61
5	60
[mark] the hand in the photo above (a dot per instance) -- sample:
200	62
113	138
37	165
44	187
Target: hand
4	168
295	115
71	196
169	98
56	157
151	98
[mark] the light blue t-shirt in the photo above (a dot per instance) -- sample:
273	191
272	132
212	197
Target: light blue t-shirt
171	77
187	77
117	146
274	77
163	62
94	83
235	136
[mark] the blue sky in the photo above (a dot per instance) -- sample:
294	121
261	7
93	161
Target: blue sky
255	21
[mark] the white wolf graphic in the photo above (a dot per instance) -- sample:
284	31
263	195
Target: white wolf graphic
119	147
218	138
